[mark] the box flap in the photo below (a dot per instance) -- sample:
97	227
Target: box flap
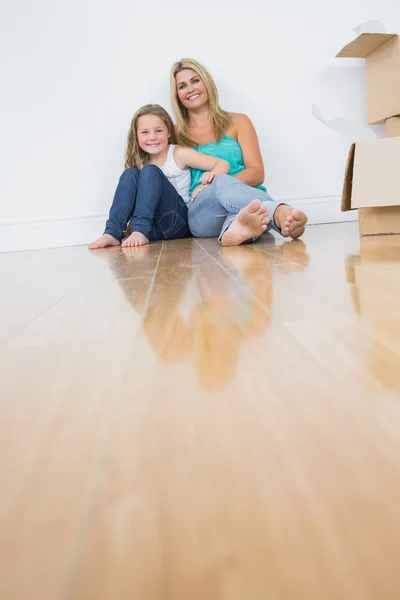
348	180
365	44
376	174
392	127
382	75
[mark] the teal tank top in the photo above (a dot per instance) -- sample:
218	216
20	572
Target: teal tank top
228	149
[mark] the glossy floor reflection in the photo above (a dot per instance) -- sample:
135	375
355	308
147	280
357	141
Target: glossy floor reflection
184	421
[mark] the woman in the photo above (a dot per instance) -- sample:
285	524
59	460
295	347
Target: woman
235	208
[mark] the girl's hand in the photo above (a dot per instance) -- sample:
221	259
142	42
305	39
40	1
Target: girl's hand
197	190
207	177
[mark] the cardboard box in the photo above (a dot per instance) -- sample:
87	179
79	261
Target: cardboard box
382	54
392	127
372	184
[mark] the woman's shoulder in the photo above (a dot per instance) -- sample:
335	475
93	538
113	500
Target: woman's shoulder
239	116
240	122
240	119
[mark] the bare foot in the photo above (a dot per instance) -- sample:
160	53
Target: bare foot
104	241
135	239
250	222
291	221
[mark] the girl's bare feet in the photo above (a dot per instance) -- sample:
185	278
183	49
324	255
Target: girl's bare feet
291	221
104	241
135	239
250	222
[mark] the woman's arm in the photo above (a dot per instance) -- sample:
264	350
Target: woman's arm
253	173
186	157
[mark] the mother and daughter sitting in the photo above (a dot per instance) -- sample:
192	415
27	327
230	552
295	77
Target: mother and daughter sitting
201	177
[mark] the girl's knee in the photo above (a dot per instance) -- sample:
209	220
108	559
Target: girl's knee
150	170
129	174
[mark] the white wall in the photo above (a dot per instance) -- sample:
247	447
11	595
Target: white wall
73	73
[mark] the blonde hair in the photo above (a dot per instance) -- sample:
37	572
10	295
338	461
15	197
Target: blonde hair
135	157
220	119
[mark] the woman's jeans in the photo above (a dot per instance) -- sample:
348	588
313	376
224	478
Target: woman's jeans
150	202
217	205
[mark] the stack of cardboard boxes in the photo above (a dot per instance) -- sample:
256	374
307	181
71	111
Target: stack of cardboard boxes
372	178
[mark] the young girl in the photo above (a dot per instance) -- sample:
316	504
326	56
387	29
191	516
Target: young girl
153	191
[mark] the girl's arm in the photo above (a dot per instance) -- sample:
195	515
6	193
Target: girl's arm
253	173
186	157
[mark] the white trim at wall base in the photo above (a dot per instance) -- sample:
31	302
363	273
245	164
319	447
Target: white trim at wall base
83	230
50	233
326	209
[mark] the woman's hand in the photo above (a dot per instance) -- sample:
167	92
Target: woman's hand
197	190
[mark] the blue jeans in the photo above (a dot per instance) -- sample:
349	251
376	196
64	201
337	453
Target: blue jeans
217	205
150	202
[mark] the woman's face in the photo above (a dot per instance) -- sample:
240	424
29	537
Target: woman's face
191	89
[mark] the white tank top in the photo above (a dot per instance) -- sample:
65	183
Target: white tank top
179	178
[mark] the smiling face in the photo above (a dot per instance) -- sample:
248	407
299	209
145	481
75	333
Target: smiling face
191	90
152	134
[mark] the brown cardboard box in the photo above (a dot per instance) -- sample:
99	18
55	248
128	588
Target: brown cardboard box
381	220
392	127
372	184
382	54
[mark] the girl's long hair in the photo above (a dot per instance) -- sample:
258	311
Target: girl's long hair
220	119
135	157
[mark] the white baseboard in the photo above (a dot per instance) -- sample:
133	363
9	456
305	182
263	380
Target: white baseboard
83	230
50	234
323	210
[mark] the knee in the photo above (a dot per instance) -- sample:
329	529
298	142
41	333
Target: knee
150	171
224	177
221	184
129	174
223	180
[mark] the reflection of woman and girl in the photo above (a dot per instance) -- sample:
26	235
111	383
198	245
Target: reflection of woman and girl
176	180
202	313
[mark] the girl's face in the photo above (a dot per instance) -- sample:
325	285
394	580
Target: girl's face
191	89
152	134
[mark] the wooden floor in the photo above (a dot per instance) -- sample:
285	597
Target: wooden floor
186	422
